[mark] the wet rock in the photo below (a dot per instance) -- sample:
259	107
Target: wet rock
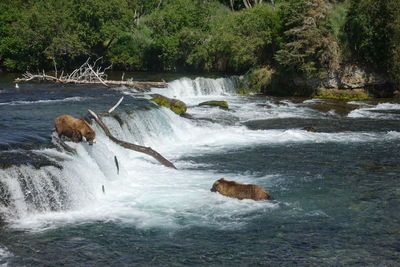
175	105
188	116
129	112
346	77
4	198
266	106
214	103
339	106
309	129
119	119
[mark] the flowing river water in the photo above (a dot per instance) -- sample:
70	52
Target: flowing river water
336	192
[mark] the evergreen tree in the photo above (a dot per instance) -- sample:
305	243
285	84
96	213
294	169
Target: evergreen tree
309	46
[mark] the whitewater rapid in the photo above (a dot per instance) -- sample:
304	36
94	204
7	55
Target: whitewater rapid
145	193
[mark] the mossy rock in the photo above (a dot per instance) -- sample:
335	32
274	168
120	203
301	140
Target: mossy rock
175	105
214	103
343	94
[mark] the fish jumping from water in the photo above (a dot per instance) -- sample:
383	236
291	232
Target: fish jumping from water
116	164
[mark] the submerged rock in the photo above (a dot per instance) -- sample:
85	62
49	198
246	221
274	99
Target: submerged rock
175	105
214	103
309	129
339	106
18	158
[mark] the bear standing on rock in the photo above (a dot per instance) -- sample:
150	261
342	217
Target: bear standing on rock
240	191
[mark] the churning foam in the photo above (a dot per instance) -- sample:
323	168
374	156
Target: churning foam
186	89
145	193
4	255
376	112
68	99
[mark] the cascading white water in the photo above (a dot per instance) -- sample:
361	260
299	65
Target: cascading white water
143	192
185	87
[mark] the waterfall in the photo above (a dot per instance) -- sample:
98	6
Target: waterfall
61	184
26	190
185	87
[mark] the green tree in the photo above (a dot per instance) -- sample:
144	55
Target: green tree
239	41
373	31
309	46
167	23
65	30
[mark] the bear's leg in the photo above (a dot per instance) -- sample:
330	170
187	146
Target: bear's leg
76	136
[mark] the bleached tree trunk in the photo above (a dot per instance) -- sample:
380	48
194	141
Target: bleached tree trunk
246	3
88	74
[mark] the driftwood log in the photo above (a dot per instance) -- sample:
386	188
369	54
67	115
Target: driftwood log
146	150
87	74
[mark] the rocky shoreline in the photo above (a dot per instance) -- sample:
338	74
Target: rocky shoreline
348	82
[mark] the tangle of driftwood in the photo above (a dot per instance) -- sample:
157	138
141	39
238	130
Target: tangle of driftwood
87	74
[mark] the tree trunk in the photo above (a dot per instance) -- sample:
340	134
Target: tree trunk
246	3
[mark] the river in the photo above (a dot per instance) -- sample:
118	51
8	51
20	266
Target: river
332	168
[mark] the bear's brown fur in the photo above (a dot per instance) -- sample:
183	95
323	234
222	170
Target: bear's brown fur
74	129
240	191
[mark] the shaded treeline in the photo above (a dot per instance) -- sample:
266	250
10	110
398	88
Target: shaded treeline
308	38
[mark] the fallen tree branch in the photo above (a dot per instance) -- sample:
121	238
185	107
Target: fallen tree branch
88	74
116	105
146	150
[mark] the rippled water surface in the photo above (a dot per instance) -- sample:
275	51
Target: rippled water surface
332	168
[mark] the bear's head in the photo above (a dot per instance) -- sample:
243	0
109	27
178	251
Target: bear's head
90	134
216	186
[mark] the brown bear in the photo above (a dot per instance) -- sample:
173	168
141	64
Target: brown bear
240	191
74	129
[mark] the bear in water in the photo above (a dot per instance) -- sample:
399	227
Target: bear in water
74	129
240	191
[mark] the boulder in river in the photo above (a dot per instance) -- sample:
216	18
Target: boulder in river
215	103
175	105
309	129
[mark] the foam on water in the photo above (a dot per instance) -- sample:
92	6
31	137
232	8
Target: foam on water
145	193
46	101
4	256
193	91
380	111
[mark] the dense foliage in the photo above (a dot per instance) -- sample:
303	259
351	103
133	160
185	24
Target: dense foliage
308	38
309	46
373	31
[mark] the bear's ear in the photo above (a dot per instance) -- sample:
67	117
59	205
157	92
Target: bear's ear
76	136
221	180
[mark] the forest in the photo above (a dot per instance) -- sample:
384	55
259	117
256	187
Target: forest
287	38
